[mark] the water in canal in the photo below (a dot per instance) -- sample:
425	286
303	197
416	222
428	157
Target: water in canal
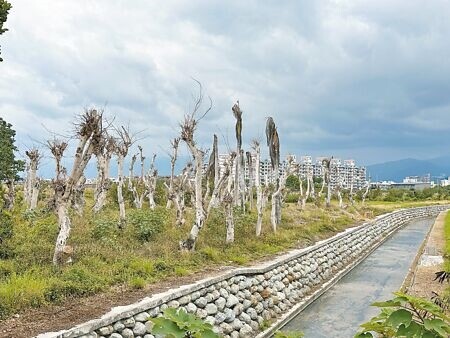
340	310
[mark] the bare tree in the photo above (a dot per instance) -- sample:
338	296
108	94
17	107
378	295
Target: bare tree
227	200
188	128
366	192
32	182
179	188
137	200
122	146
173	159
259	191
326	167
273	142
250	178
238	188
103	153
89	131
150	183
78	200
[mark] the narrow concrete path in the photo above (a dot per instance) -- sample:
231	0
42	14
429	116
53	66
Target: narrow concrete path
340	311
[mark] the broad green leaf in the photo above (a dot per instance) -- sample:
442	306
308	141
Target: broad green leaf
399	317
364	335
438	326
167	328
414	330
206	334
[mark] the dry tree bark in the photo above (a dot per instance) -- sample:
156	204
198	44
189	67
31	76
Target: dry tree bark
173	159
122	146
250	179
150	183
179	188
351	193
273	142
132	187
326	166
259	191
276	196
103	153
366	192
188	128
78	200
32	183
89	131
238	193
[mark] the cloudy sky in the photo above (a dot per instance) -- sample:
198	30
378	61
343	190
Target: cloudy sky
368	80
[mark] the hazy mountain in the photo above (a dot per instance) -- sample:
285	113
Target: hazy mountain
397	170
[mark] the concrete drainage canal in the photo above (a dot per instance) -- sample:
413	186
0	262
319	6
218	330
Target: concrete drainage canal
242	301
340	310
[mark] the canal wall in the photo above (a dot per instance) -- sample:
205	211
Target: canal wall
242	301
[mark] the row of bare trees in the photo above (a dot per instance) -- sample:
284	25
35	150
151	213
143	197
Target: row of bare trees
218	186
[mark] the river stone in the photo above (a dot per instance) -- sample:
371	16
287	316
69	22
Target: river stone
246	304
223	292
201	302
154	312
234	334
195	295
254	325
163	307
201	313
220	318
118	326
115	335
139	329
211	309
210	320
141	317
229	315
220	303
173	304
191	308
226	328
259	307
245	317
231	301
129	322
238	309
237	324
234	288
127	333
246	331
184	300
104	331
148	336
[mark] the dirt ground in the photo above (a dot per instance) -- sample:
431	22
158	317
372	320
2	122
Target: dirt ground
420	282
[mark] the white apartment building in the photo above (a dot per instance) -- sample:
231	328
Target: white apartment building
345	172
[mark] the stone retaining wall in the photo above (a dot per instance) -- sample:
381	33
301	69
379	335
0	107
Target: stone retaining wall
238	302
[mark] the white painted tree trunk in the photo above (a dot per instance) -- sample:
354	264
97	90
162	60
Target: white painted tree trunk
190	242
103	183
259	190
229	218
366	192
328	199
120	200
35	194
236	192
78	195
64	231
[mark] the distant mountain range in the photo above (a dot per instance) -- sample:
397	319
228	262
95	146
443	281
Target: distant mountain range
397	170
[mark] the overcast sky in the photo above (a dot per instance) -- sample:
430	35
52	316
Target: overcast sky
368	80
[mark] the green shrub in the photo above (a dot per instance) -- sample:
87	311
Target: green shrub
148	223
6	232
105	229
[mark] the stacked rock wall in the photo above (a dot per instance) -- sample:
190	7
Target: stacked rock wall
240	302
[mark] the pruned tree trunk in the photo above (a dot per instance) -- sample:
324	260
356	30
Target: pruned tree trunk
250	179
132	187
188	128
90	132
151	183
366	192
103	154
10	195
122	146
35	194
173	159
31	183
259	190
229	218
238	187
78	195
120	200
